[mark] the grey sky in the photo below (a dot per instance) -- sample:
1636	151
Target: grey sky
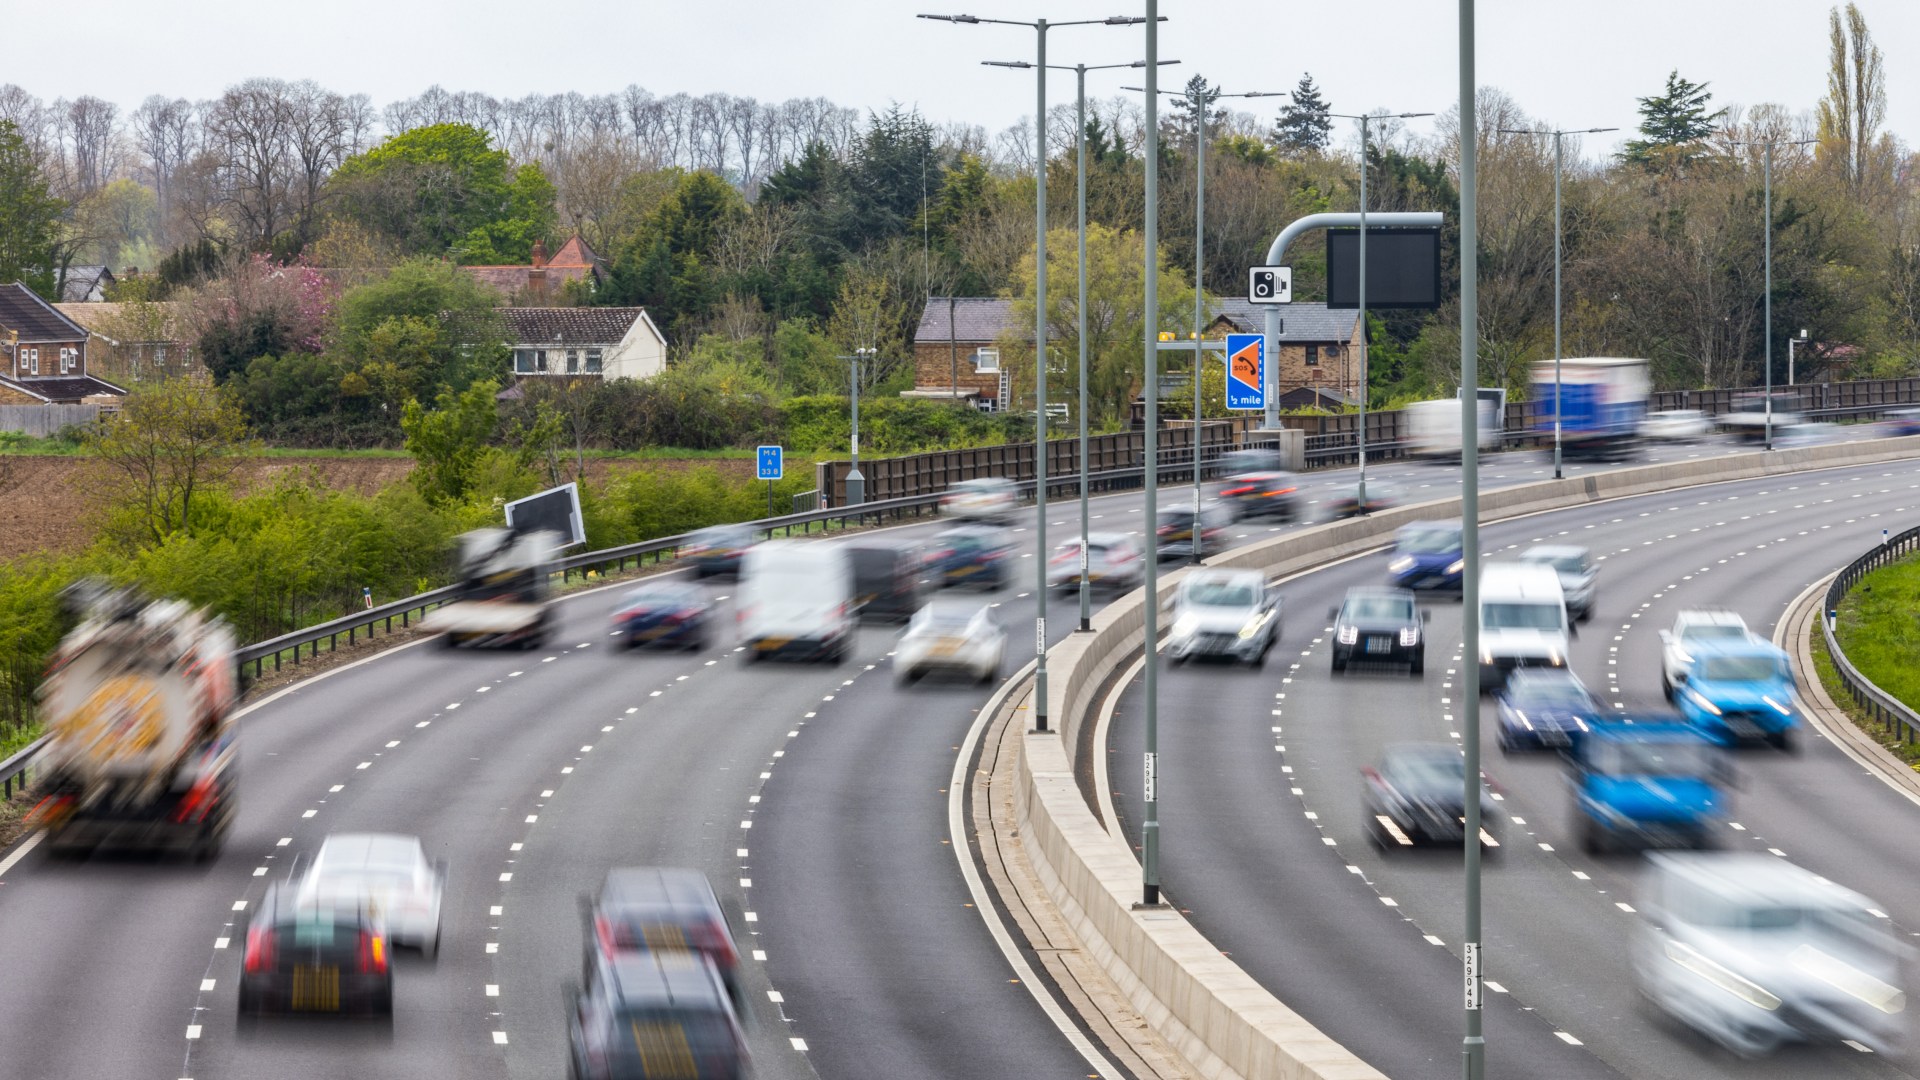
1575	64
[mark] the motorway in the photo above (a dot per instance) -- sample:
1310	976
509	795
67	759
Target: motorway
1263	836
812	796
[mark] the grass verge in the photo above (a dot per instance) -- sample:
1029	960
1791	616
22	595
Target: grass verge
1837	690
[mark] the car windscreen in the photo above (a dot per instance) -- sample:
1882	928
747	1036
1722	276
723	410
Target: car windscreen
1379	609
1222	594
1427	541
1675	759
1522	616
1714	632
1553	695
1739	669
1567	564
344	881
1426	772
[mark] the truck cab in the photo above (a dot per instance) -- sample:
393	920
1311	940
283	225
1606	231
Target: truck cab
1738	691
1646	784
1523	621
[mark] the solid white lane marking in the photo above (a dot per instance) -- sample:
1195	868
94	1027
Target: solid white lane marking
20	852
393	744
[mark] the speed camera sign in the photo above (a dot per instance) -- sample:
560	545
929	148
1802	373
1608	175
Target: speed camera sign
1270	285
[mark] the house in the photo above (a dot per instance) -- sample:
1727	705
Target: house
954	350
43	355
85	284
602	342
544	278
1319	362
137	340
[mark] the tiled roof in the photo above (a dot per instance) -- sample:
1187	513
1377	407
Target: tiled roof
62	387
22	309
569	325
1305	321
574	252
116	322
975	318
511	280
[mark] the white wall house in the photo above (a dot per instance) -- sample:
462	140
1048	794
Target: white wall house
604	342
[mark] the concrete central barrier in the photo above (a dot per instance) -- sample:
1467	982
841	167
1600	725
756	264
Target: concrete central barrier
1225	1023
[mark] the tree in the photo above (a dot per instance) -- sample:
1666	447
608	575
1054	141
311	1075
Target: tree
668	266
447	441
173	441
1178	125
1856	103
1673	124
1304	127
261	308
29	215
445	189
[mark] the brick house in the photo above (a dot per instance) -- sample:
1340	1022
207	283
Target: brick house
43	355
544	278
959	334
136	340
1319	348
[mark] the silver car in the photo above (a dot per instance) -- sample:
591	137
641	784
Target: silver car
1675	425
952	637
1579	575
1114	561
1229	614
389	871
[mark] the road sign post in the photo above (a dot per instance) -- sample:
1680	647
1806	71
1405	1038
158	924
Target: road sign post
1269	284
1246	372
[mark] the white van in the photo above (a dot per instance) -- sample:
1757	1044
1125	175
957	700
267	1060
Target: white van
1523	620
796	598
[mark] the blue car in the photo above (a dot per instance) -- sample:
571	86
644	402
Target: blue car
665	614
972	556
1738	691
1647	783
1428	555
1544	709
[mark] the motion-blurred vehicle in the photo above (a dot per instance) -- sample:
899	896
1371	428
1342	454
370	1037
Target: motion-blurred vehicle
796	599
318	956
1899	422
1114	562
988	498
1691	627
1228	614
1255	486
1816	433
886	579
1646	782
1739	691
716	550
1579	575
1174	525
1544	709
951	637
1427	555
665	613
654	908
501	597
1523	620
1603	400
138	704
1375	625
1433	428
648	1015
1675	425
972	556
1752	952
1344	502
392	873
1747	420
1417	795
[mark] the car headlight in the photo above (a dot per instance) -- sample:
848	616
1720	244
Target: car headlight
1719	975
1185	626
1701	700
1401	565
1848	979
1777	707
1456	566
1410	636
1348	635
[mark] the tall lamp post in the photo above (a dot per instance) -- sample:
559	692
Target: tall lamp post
1557	159
1473	1043
856	483
1361	441
1767	205
1040	28
1199	101
1080	129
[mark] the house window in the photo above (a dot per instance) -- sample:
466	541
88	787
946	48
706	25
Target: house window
529	361
1313	356
986	361
68	357
573	361
593	361
33	360
160	355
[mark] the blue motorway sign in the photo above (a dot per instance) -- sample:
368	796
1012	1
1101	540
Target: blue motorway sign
1246	371
770	462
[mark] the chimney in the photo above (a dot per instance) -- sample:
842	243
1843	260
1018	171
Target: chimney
539	255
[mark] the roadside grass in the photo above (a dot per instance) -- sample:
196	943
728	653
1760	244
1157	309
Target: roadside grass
1879	628
1829	677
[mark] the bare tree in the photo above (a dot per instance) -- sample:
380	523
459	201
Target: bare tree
318	140
166	134
92	131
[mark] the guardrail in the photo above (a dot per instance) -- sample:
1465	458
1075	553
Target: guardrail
1892	714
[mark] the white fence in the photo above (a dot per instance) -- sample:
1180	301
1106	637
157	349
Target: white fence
41	421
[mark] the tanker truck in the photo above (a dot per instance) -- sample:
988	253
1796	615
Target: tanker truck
138	703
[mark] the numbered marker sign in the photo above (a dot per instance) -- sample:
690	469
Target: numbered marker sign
771	462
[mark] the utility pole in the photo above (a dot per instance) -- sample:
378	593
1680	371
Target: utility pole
1474	1044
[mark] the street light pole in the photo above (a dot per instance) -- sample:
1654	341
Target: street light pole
1150	685
1557	233
1767	305
856	483
1473	1044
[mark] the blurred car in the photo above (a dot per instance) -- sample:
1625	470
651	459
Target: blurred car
653	1015
886	579
1417	795
1345	501
951	636
647	908
1579	575
978	556
1174	527
1428	555
716	550
1543	708
1114	561
664	612
1693	626
1752	952
1255	486
391	871
1646	781
1380	626
320	955
988	498
1817	433
1229	614
1675	425
1901	422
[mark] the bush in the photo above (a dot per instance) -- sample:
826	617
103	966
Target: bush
651	503
823	424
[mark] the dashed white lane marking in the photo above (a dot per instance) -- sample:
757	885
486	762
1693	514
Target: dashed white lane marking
752	916
493	947
206	986
760	955
1496	987
799	1044
493	989
221	943
1431	940
337	788
1628	908
1857	1046
499	1038
1568	1039
774	996
239	905
193	1031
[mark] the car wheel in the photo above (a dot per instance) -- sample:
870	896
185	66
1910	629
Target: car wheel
383	1003
1782	740
1666	686
1593	839
1505	743
1339	665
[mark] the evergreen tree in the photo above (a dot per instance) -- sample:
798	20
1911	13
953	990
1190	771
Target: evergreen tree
1304	126
1672	124
1179	118
29	216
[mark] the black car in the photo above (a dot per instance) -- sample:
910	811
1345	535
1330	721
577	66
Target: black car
649	907
717	549
1417	794
1345	502
1174	527
1546	708
664	613
1377	625
655	1014
1263	494
886	579
315	956
976	556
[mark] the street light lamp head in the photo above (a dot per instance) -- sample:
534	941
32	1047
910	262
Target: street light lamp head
1007	63
1599	131
1410	115
1129	20
953	18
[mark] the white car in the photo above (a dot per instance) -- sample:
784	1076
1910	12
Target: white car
951	636
985	499
1114	561
390	871
1690	626
1675	425
1579	574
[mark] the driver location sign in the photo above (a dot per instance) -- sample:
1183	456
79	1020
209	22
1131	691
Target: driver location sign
1246	371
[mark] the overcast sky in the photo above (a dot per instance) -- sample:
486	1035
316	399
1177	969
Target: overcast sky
1573	64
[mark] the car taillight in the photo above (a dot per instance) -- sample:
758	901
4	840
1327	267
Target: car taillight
1239	490
1280	491
1064	556
373	954
603	933
260	949
720	944
196	803
1164	530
